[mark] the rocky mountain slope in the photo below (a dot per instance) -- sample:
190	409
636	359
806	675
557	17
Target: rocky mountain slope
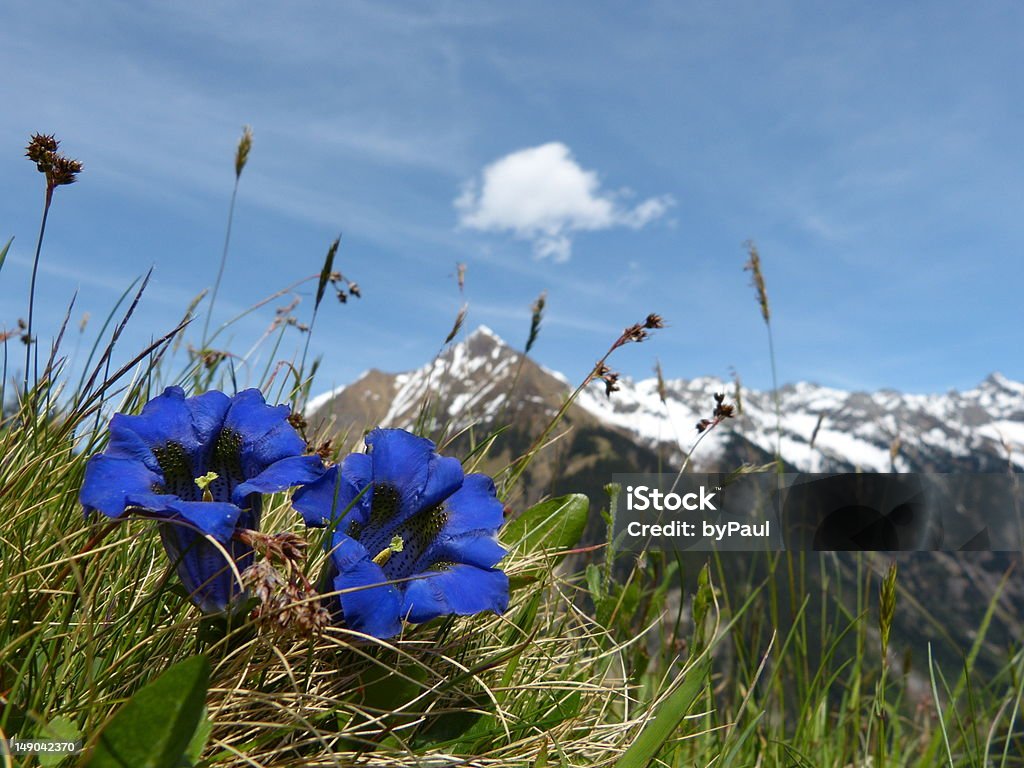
481	383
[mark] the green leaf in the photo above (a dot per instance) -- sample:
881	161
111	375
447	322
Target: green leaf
3	252
448	726
554	524
197	744
325	273
734	751
595	583
58	729
520	581
665	723
155	727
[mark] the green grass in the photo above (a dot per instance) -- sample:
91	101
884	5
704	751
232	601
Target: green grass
601	660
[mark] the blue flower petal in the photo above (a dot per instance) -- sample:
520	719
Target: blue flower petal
166	418
157	503
319	501
208	412
460	589
283	474
477	548
447	523
474	506
266	435
358	470
216	518
411	465
330	496
152	462
373	606
201	566
356	486
444	478
109	480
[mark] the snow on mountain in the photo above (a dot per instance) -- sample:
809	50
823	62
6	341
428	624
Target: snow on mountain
822	428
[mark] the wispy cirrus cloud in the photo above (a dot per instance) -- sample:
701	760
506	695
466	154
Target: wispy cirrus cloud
543	195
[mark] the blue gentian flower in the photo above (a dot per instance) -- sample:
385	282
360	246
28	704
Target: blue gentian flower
414	537
199	465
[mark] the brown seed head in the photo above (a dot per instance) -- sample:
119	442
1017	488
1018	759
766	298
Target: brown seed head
753	265
63	171
242	153
722	409
285	549
297	420
536	315
611	383
457	325
41	149
59	170
288	606
635	333
662	389
325	449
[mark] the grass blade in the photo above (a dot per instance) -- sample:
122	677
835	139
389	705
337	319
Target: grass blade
3	253
670	715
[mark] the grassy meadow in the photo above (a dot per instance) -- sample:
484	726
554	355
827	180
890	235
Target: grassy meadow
602	658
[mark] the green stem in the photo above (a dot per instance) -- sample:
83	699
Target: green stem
775	397
223	262
32	292
524	461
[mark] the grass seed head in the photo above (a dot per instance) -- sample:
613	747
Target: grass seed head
887	606
536	316
59	170
242	153
753	266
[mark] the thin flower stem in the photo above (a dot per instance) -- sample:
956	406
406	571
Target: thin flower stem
512	389
32	293
775	397
524	461
258	305
301	379
693	448
634	333
223	262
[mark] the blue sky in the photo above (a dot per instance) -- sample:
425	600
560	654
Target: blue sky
615	155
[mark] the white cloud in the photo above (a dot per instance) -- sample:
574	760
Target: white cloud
542	194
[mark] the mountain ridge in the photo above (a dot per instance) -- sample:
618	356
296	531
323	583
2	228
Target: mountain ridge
823	428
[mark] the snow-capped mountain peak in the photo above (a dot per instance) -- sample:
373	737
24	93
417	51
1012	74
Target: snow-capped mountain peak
481	380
